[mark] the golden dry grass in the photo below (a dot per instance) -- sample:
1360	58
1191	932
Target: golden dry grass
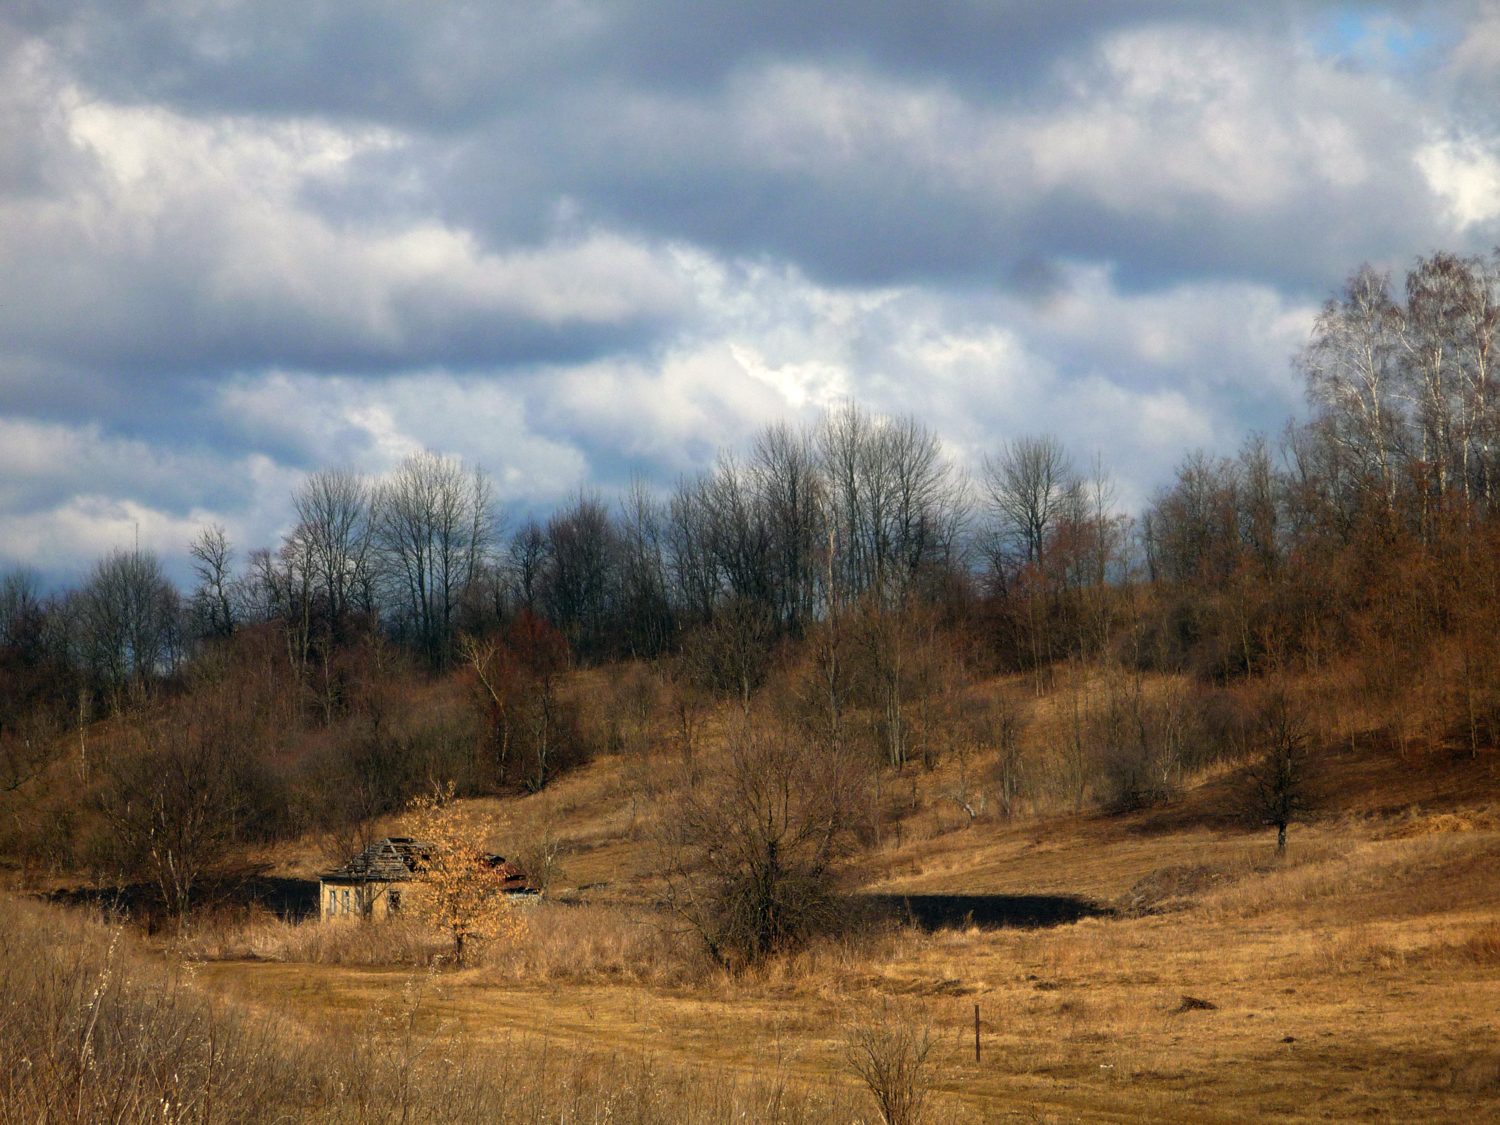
1358	977
96	1032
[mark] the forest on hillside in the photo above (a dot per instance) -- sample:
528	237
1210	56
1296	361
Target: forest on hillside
845	575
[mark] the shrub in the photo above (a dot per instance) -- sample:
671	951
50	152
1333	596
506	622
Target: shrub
752	849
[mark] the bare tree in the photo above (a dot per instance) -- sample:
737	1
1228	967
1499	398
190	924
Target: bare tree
179	803
998	728
530	729
792	493
23	613
648	622
129	620
333	509
844	439
1448	336
1277	780
691	568
578	582
526	558
215	597
731	654
1353	379
1193	526
1026	485
888	1048
435	527
1430	364
753	847
739	535
895	506
1477	321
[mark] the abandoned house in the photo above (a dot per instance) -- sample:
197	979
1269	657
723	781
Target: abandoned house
379	880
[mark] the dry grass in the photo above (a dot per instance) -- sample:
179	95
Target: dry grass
1359	975
558	942
597	944
401	942
95	1033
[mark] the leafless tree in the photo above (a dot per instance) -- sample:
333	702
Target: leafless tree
1354	380
844	441
182	799
998	728
739	534
334	514
1277	779
888	1048
1026	485
895	506
1430	364
1192	530
1448	337
22	613
1477	322
579	579
648	623
731	654
435	528
128	615
693	573
526	559
752	849
791	492
214	600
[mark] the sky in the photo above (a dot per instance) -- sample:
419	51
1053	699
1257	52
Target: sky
576	242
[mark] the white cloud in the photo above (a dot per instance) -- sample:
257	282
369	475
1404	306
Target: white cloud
1178	112
372	424
69	493
1464	173
165	232
88	526
1153	116
1166	173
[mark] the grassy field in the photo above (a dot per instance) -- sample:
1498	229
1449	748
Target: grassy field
1356	978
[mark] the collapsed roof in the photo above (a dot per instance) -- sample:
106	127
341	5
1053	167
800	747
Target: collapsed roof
398	859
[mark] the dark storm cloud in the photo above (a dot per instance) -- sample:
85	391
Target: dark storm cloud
446	65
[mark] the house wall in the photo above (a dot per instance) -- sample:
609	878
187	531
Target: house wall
342	901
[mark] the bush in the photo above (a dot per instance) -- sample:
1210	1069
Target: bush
752	849
888	1048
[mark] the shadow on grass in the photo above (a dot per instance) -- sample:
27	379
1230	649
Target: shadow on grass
988	912
292	899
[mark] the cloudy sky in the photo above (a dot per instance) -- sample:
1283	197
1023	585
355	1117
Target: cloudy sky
576	240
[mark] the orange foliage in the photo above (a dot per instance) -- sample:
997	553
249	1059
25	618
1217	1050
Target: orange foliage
462	885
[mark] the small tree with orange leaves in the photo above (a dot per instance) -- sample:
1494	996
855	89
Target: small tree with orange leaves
462	885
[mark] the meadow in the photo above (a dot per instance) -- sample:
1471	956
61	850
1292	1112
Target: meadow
1355	977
